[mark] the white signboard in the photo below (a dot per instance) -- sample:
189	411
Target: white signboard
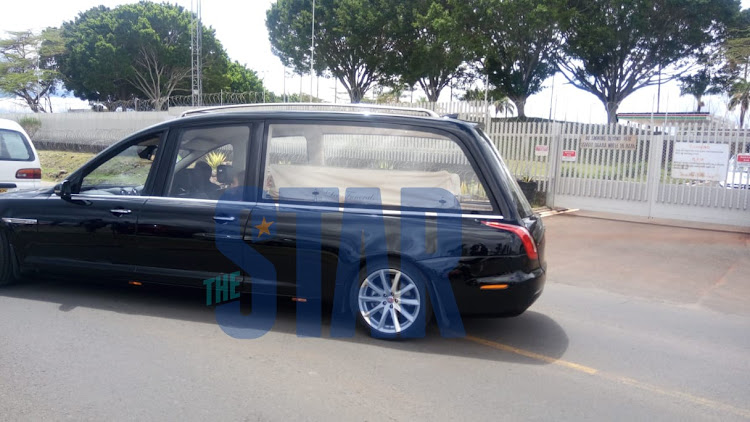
541	150
697	161
621	142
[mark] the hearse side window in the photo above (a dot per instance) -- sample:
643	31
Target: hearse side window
326	158
209	161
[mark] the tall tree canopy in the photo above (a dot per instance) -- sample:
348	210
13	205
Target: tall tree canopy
616	47
431	46
353	39
242	79
28	66
135	50
516	41
700	84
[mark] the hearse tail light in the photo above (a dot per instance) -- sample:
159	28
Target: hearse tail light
522	232
29	174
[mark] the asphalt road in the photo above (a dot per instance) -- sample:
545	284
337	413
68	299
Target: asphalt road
637	322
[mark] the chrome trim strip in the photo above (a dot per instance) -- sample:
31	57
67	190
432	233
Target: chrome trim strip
22	221
323	208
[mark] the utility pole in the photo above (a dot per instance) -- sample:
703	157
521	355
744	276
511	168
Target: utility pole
196	47
486	103
658	92
552	96
312	50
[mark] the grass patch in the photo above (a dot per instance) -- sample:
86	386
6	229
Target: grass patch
57	165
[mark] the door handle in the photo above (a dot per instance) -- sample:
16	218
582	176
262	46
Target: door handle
223	219
120	211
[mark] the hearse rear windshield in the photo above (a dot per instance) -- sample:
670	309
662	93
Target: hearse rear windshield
521	203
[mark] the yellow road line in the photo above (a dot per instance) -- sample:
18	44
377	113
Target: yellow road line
615	378
532	355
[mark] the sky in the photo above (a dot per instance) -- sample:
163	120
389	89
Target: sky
240	26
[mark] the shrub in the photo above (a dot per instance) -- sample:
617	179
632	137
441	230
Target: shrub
31	125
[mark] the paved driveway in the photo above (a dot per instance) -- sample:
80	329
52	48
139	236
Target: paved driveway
686	266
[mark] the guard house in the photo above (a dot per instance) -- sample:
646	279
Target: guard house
669	120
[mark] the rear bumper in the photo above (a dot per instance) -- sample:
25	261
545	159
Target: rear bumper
523	289
19	185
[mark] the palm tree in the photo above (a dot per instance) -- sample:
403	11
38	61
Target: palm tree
740	97
699	85
504	105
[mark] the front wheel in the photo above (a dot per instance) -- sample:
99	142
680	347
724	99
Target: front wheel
392	303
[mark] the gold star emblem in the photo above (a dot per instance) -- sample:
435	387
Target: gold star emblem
264	227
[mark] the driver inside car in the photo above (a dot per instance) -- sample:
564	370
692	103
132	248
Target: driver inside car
201	183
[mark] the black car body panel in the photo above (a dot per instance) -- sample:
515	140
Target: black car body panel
172	240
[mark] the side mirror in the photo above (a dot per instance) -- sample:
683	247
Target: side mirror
64	190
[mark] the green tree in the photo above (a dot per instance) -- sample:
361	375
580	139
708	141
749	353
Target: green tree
353	39
473	94
135	50
430	47
504	105
736	50
740	97
616	47
519	41
28	67
242	79
698	85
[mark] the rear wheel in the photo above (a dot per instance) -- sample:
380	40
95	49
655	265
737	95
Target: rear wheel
8	273
392	303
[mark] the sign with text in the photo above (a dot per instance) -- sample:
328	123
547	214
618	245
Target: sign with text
696	161
569	155
743	160
541	150
621	142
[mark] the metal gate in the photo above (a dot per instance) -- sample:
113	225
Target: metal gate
687	171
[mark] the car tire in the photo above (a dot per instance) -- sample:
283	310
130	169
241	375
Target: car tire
8	271
375	303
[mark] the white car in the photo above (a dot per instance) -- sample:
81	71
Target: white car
19	162
738	174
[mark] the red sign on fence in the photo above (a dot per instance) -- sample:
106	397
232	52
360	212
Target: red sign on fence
743	158
569	155
541	150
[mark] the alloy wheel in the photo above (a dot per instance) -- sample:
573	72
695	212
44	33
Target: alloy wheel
389	301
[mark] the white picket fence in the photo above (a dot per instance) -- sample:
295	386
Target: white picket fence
675	172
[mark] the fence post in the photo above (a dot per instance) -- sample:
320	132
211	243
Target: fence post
487	114
553	162
653	177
